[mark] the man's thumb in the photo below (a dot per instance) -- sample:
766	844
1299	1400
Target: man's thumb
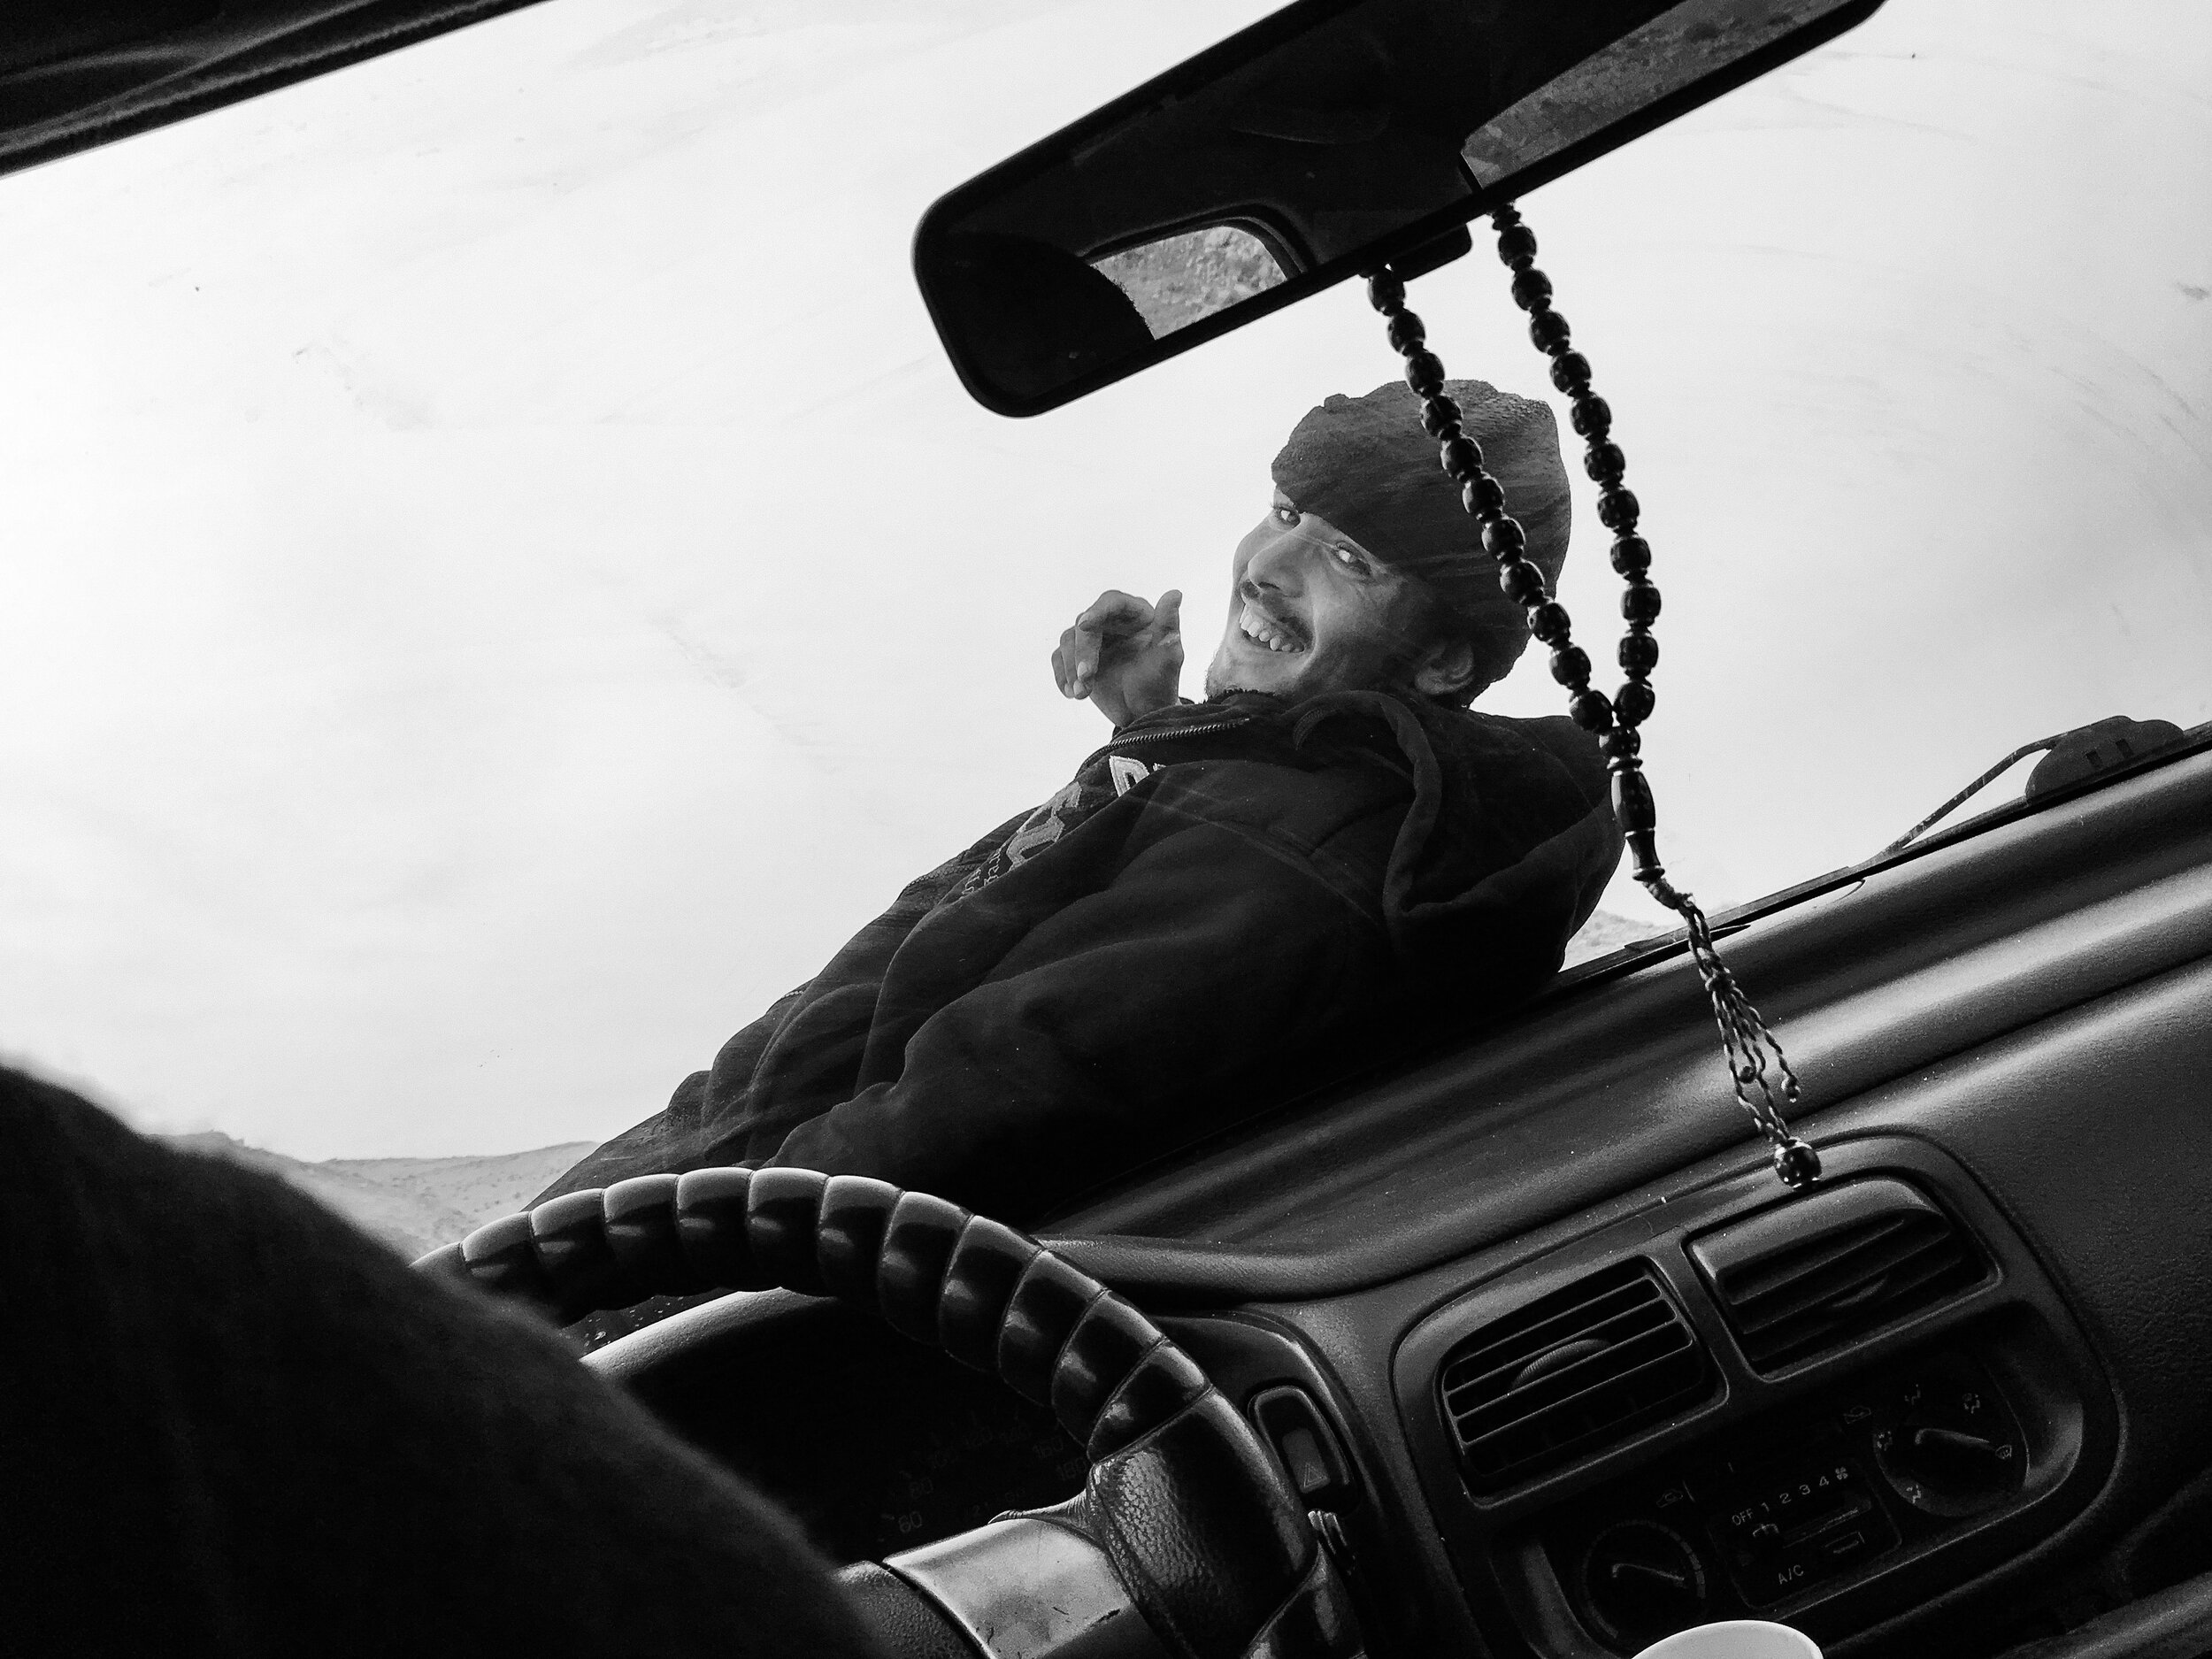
1171	611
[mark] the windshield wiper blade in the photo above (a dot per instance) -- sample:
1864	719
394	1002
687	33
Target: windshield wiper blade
1971	789
2130	740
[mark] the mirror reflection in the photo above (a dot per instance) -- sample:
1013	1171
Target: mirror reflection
1178	279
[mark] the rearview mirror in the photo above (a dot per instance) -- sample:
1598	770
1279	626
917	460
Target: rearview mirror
1325	140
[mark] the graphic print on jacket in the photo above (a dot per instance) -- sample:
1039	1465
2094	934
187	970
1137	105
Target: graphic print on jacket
1074	803
1223	903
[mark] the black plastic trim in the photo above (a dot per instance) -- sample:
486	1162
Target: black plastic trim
1248	1353
2171	1624
1576	1355
2015	1315
1779	1317
249	48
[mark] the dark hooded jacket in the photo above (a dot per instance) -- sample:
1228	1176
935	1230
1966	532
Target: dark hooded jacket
1227	896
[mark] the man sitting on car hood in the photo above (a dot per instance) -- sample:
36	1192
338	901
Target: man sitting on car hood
1231	898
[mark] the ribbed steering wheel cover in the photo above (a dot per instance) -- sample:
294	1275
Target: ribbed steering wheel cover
1193	1511
983	1292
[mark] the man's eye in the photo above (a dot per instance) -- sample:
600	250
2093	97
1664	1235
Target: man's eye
1350	560
1286	516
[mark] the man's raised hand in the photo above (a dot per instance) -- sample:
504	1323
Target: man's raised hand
1124	654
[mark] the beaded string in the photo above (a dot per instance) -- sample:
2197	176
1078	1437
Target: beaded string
1766	1086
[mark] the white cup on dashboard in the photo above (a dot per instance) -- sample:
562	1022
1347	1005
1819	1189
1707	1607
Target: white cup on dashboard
1734	1639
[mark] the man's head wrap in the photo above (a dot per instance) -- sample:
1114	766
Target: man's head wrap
1365	465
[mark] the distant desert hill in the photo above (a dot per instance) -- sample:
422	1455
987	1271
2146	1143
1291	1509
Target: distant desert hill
415	1204
1605	932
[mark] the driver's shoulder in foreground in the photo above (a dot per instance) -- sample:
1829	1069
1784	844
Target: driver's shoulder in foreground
236	1425
1230	897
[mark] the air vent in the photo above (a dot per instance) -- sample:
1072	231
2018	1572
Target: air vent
1811	1274
1583	1365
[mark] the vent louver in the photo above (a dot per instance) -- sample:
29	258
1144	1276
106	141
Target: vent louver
1811	1274
1583	1364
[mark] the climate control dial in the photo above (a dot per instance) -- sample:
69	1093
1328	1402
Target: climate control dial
1947	1445
1641	1581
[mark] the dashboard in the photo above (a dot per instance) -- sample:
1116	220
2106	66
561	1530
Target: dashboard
1827	1410
1531	1316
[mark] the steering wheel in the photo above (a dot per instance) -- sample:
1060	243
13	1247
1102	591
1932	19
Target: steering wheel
1185	1543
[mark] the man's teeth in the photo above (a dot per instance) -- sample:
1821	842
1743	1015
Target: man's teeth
1256	627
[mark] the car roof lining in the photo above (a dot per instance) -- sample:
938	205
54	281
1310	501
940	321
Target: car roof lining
76	77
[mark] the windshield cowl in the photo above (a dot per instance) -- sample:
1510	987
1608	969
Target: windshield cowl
1640	953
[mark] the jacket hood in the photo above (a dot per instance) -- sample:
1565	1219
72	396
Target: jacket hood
1508	841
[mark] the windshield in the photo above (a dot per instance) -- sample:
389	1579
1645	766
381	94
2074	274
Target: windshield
502	582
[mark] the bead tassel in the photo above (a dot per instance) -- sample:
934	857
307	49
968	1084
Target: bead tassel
1766	1086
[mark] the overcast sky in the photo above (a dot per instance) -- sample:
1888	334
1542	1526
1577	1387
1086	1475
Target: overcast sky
498	579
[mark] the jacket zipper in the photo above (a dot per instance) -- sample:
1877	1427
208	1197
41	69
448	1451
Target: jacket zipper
1180	730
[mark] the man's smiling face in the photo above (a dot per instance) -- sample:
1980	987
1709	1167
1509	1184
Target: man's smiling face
1311	610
